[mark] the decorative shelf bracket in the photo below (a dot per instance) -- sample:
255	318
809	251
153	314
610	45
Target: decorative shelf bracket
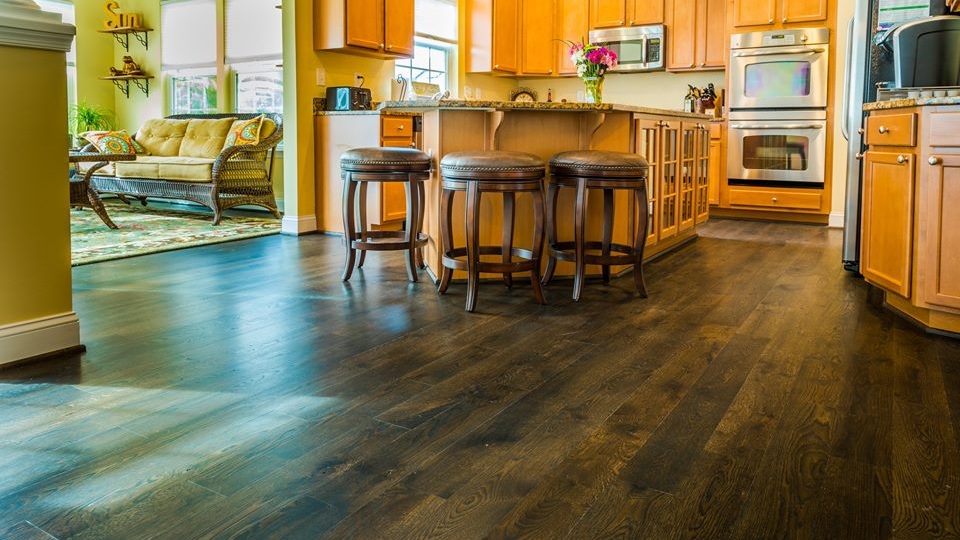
123	83
124	86
122	35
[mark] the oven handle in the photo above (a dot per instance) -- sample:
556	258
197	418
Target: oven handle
781	126
779	52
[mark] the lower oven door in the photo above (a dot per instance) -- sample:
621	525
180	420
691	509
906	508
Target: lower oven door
765	150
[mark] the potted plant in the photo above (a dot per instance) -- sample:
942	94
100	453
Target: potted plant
84	117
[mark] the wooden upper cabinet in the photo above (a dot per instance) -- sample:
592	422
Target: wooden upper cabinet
607	13
572	17
398	27
775	13
697	31
382	28
492	36
537	46
641	12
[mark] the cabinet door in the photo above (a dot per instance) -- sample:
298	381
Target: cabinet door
537	46
607	13
712	34
640	12
716	153
364	24
669	189
398	27
886	231
940	256
702	179
572	24
682	20
648	146
795	11
754	12
688	174
506	32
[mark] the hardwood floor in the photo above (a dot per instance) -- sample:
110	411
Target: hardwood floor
242	391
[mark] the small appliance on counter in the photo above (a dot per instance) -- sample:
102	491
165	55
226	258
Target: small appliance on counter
348	98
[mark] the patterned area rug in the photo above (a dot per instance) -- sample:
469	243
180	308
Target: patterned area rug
151	229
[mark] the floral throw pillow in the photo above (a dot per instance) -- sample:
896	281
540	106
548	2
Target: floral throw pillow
114	142
244	132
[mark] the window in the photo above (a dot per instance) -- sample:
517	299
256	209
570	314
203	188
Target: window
65	9
189	54
436	39
254	51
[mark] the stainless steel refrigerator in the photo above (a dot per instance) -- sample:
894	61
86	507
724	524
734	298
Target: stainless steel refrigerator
870	63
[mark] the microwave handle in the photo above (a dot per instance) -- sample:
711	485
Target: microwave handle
781	126
780	51
643	50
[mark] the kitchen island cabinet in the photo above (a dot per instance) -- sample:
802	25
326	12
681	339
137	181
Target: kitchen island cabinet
677	149
910	222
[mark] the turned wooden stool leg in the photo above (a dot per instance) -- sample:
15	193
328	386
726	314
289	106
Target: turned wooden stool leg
538	233
413	211
446	236
608	210
362	218
579	232
509	219
641	196
349	192
473	244
422	195
551	204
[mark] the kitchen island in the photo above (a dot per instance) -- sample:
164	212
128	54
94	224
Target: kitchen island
910	219
675	144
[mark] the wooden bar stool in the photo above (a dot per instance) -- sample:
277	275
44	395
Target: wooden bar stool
493	171
608	171
358	167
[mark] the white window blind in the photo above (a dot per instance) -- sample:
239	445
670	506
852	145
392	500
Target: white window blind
189	34
436	19
253	31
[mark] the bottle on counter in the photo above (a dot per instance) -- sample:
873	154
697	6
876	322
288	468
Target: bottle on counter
549	95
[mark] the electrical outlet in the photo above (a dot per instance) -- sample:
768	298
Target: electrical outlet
321	77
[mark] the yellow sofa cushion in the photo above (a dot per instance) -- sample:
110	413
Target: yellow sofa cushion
184	169
161	136
205	138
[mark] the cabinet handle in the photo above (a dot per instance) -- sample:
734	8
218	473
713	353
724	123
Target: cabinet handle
934	160
901	159
883	129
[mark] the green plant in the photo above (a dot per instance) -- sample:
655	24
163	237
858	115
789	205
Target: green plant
84	117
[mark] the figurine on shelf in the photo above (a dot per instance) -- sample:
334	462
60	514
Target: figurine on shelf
130	67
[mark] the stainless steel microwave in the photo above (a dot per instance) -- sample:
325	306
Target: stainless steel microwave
638	48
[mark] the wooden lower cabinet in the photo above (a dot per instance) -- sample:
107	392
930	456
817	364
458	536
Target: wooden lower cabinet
886	231
717	154
910	226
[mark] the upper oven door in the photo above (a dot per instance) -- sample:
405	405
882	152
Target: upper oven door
779	77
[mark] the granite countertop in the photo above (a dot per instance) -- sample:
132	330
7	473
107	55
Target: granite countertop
392	106
911	102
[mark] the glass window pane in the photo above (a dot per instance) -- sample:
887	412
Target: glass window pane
253	30
196	94
438	59
260	91
421	57
436	18
188	34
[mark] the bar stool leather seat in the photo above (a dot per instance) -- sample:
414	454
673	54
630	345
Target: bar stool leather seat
584	170
358	167
490	171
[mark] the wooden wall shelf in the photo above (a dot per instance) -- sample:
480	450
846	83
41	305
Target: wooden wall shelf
122	35
123	83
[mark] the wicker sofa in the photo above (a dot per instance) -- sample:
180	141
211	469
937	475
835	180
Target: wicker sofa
194	163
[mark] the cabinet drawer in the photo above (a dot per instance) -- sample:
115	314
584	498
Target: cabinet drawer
944	129
396	126
891	130
788	200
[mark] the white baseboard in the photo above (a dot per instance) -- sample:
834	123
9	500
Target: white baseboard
835	220
22	340
297	225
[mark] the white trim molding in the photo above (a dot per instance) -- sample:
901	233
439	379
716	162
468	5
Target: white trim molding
835	220
27	339
24	24
297	225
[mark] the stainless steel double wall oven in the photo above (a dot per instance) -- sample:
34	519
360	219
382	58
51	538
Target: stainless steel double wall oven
778	101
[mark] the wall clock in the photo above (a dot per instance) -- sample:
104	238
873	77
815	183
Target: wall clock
524	95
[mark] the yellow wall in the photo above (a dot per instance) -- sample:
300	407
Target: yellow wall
94	52
133	111
34	222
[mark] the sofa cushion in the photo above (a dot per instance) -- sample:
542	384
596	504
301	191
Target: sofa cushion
244	132
162	136
113	142
184	169
205	138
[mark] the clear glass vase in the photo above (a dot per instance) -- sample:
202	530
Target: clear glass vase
593	89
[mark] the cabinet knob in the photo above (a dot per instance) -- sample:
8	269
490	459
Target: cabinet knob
703	64
631	22
770	21
859	156
860	131
784	19
413	145
401	127
620	23
934	160
389	47
773	200
496	66
901	159
690	65
381	45
883	129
